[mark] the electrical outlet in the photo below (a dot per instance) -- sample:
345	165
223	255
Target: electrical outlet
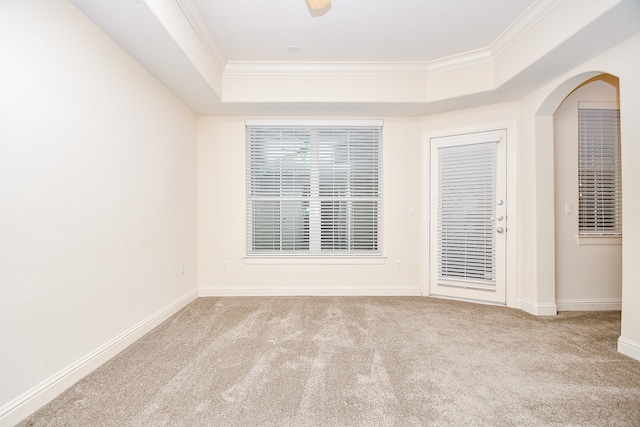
225	264
398	264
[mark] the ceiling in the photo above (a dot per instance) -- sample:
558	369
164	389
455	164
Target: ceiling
208	51
356	30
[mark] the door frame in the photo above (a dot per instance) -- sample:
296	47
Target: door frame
511	127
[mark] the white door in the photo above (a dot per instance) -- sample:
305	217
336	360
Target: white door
468	217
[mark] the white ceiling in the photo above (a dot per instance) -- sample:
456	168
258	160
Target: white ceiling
204	49
356	30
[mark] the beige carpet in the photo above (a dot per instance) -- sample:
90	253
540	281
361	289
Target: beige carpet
367	361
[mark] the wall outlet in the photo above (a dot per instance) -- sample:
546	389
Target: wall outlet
225	264
398	264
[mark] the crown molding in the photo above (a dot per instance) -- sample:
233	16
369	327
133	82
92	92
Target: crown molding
355	68
521	26
193	14
324	68
462	60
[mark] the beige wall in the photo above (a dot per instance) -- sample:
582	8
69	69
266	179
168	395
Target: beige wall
627	71
222	224
589	270
536	267
97	200
98	195
221	213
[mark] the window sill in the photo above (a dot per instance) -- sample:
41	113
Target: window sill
602	240
317	260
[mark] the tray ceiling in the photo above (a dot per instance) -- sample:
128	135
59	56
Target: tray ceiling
356	30
406	57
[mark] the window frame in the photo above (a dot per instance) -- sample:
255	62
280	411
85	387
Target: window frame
315	254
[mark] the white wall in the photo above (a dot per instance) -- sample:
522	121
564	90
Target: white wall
221	210
97	200
588	274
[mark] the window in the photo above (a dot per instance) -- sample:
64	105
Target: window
314	189
466	210
599	177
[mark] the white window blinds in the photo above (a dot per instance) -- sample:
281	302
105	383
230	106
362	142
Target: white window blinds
314	190
599	175
466	210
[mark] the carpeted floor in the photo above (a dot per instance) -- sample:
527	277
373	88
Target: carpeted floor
360	361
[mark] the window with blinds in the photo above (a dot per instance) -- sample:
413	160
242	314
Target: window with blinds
466	210
599	174
314	190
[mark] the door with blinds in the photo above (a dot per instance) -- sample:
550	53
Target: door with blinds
468	223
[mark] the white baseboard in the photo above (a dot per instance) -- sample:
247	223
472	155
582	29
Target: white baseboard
257	291
604	304
629	348
32	400
548	309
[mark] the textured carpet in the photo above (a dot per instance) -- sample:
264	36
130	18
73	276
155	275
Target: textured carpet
360	361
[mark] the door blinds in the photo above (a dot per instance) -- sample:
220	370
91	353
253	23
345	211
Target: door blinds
314	190
466	207
599	175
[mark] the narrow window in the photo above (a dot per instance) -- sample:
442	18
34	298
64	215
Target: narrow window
314	189
599	174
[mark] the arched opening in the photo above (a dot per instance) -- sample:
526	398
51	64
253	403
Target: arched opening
588	251
544	229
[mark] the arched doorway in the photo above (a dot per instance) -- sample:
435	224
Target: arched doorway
588	251
543	290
